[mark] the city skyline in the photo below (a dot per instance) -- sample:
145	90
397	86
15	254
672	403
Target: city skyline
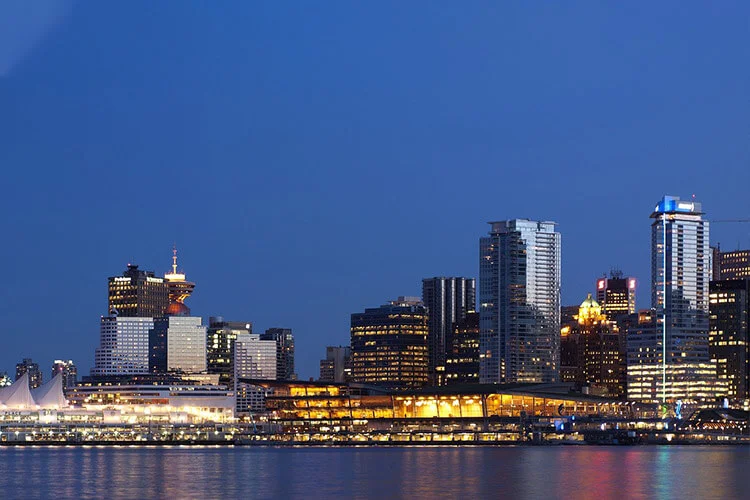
286	143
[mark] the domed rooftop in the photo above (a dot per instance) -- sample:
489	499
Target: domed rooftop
589	302
177	309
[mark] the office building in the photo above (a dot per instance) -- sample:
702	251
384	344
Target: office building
729	337
447	300
592	353
178	288
734	265
616	294
519	302
668	358
253	359
28	366
220	339
67	370
137	293
177	344
336	367
462	363
284	351
123	346
389	345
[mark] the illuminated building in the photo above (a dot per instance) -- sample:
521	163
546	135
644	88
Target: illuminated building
680	270
616	294
389	345
729	339
476	412
179	289
592	352
123	346
137	294
67	371
336	367
28	366
134	401
668	358
5	380
462	365
284	351
220	346
519	302
257	359
447	300
734	265
177	344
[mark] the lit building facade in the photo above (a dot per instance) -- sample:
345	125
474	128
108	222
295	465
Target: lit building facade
336	367
519	296
616	294
729	336
593	353
462	364
123	346
447	300
137	293
284	351
389	345
67	370
254	358
220	339
27	365
734	265
177	344
179	289
668	358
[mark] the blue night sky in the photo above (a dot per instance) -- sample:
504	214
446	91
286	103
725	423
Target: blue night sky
311	159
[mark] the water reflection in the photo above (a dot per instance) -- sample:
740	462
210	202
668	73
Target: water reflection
517	472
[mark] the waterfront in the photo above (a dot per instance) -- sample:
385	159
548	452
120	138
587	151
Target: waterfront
467	472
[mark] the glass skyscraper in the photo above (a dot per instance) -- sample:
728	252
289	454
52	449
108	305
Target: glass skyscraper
447	300
519	296
668	359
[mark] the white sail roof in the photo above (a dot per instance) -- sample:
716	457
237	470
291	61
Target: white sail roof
18	395
50	395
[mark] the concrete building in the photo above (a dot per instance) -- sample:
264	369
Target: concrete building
336	367
519	302
729	335
27	366
177	344
389	345
123	346
137	293
253	359
220	339
67	371
462	364
447	300
616	294
284	351
734	265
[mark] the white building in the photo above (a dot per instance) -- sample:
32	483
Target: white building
178	344
123	346
519	302
253	359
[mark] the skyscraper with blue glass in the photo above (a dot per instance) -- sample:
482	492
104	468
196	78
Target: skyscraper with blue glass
668	359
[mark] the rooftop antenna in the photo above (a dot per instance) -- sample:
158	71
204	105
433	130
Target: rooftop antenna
174	258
